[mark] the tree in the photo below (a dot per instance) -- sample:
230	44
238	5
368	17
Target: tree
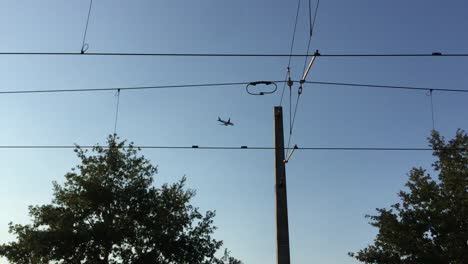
430	224
108	211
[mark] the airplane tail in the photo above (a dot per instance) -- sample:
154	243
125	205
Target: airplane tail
219	119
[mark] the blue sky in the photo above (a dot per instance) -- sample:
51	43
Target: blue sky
329	192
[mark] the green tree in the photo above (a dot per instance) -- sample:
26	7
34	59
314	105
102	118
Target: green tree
108	211
430	224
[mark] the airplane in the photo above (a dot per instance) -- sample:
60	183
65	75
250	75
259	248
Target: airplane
225	123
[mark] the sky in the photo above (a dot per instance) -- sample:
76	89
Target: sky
329	192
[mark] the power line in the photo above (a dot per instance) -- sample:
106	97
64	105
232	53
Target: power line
195	147
129	88
294	32
427	89
288	73
432	109
387	86
435	54
290	112
116	111
311	29
85	46
299	91
294	117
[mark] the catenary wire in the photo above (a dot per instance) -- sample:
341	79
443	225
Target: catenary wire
85	46
195	147
394	87
128	88
117	111
432	109
229	54
311	29
291	51
292	122
311	33
290	111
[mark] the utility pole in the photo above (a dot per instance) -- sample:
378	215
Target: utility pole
282	229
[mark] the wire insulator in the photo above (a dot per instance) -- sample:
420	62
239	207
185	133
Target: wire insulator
263	92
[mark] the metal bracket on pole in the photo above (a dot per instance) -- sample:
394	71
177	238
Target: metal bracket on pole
290	154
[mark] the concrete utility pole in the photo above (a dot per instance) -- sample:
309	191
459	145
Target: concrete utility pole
282	229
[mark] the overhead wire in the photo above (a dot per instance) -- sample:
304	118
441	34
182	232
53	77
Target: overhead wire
299	91
129	88
290	55
290	110
432	108
293	119
395	87
311	30
117	111
84	45
196	147
288	73
181	86
126	54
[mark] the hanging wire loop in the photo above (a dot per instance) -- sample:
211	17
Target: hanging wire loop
84	45
249	87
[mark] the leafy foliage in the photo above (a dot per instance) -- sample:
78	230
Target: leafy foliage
108	211
430	224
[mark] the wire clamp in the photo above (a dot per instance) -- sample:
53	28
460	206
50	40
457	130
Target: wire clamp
290	83
84	48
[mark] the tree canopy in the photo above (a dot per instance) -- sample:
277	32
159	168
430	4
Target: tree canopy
109	211
430	224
